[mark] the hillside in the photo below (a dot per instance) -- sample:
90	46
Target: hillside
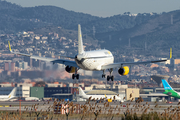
159	34
118	22
16	18
148	34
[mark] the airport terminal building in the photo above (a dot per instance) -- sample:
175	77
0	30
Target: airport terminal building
71	93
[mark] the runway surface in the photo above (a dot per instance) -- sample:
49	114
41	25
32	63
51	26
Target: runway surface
14	106
27	103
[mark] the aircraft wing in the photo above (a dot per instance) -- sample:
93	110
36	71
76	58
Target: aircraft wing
118	65
53	60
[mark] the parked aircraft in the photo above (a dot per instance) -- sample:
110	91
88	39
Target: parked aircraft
83	95
10	96
97	60
169	90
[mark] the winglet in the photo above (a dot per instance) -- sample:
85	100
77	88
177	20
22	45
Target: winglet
9	46
170	53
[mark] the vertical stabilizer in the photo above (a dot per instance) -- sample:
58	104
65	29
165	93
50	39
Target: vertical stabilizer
81	92
80	43
169	90
166	85
13	93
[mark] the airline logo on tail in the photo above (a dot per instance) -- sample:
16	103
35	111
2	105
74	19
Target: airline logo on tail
9	96
169	91
13	93
166	85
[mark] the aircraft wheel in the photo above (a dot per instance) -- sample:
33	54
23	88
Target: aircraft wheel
77	76
103	75
73	76
108	78
112	78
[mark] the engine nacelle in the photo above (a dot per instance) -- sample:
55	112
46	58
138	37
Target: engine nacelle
109	100
123	70
70	69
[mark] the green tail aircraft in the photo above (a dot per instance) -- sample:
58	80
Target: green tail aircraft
169	90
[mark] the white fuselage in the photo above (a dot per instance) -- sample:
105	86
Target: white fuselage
5	97
100	97
95	59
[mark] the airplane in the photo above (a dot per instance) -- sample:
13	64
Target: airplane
169	90
83	95
97	60
10	96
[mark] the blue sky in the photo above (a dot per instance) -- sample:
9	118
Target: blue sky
106	8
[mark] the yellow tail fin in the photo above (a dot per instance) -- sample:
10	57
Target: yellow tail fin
170	53
9	46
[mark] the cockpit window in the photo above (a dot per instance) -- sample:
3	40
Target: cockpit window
106	53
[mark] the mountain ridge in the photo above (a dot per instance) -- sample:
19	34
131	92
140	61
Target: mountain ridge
146	32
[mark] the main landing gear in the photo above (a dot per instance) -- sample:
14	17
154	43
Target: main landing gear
109	77
75	75
103	75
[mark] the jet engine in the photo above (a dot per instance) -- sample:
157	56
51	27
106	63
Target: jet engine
110	100
70	69
123	70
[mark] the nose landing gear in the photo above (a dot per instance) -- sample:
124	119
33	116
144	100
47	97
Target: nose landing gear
109	77
103	75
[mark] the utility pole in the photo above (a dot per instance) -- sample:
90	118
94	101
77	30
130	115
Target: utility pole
145	46
129	42
110	37
94	31
171	19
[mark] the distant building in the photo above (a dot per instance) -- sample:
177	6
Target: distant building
12	67
9	66
6	66
37	92
58	92
132	93
42	65
115	88
54	85
5	85
23	65
176	61
29	60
